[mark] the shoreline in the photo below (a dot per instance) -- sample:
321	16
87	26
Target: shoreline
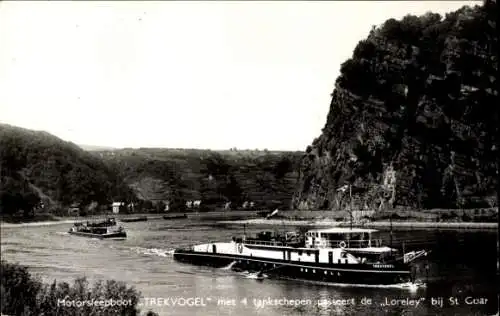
250	217
376	224
450	225
58	220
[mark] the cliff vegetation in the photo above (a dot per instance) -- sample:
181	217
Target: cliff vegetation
42	174
40	171
413	118
265	178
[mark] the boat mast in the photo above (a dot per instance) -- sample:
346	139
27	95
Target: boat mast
350	202
390	221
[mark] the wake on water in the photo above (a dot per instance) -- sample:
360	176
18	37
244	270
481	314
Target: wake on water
402	286
412	287
154	251
257	276
229	266
248	275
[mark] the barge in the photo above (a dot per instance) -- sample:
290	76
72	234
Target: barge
175	216
135	219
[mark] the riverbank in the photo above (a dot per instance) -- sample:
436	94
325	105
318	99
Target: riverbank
12	219
453	219
376	224
57	220
47	219
281	222
445	225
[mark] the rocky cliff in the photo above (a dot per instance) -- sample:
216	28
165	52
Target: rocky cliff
413	118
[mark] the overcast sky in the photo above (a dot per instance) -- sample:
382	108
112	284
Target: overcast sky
182	74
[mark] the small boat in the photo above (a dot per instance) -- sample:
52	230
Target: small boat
175	216
332	255
107	229
135	219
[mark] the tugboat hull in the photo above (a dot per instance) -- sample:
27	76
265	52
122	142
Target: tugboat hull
363	274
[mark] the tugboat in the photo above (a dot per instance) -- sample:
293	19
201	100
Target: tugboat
335	255
106	229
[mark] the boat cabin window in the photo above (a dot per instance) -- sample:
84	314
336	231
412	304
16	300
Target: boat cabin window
356	236
335	237
353	240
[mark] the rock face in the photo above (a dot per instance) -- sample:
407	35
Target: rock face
413	119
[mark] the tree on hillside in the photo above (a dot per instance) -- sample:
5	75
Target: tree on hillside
17	195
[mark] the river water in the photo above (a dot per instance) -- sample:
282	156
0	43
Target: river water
462	269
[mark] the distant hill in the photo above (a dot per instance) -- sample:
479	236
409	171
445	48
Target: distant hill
267	178
37	166
413	120
95	148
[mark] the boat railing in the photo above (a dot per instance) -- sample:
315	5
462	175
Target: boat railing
263	242
351	243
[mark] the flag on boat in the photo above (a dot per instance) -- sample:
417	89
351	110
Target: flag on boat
412	255
272	214
343	188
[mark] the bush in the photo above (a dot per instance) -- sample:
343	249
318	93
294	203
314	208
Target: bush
22	294
18	290
492	218
449	216
466	218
